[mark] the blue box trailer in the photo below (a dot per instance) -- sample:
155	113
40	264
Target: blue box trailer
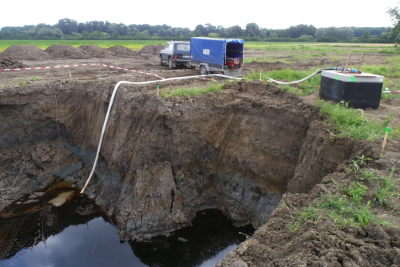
214	54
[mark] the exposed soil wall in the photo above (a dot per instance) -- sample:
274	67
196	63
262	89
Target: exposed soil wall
164	159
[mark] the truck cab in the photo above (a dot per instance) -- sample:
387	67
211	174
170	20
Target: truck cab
175	53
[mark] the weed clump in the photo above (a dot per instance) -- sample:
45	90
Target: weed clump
189	91
351	123
348	208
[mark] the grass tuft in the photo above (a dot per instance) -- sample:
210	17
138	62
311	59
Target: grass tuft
351	123
305	88
189	91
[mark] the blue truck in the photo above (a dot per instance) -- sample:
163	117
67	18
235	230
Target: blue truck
220	55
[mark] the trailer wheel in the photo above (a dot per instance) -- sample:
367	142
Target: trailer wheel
161	63
203	70
170	63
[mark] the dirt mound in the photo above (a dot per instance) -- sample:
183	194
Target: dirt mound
65	51
151	49
95	51
329	239
8	63
29	52
122	51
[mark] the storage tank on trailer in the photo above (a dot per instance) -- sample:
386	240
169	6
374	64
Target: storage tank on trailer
214	54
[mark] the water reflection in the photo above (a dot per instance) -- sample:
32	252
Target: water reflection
79	233
93	244
211	233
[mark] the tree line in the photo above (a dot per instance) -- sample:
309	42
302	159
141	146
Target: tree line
103	30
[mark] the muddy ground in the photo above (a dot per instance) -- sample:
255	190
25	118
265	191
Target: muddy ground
245	150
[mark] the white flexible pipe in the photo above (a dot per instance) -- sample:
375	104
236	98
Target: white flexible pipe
299	81
159	81
111	104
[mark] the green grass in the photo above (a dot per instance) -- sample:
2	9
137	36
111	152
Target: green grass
365	176
356	191
340	209
320	47
264	59
389	51
389	71
350	122
43	44
306	55
268	46
305	88
191	91
387	188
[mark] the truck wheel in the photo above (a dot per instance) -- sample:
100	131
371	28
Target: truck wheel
170	63
203	70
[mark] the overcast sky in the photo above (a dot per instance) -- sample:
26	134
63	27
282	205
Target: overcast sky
275	14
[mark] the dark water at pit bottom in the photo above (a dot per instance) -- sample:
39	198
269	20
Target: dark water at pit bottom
79	233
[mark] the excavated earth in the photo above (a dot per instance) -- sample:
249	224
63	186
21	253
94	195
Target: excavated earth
245	150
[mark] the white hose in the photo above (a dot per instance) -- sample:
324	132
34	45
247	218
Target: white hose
160	81
299	81
111	104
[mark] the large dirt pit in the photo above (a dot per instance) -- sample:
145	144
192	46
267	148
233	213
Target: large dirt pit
244	150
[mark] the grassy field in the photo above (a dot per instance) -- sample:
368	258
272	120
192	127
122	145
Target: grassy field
297	52
323	47
268	46
43	44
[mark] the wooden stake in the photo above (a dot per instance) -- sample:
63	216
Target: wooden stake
385	139
361	61
70	77
347	64
158	89
260	75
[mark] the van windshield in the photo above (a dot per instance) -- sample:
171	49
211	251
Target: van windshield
183	47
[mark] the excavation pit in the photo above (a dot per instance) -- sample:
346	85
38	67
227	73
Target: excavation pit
164	159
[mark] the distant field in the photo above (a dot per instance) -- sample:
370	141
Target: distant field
340	48
43	44
268	46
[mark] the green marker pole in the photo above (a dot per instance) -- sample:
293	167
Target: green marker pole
385	139
158	89
260	75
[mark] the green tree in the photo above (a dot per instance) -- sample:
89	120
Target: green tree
252	30
197	33
203	31
234	31
366	35
115	35
394	14
273	35
145	33
67	26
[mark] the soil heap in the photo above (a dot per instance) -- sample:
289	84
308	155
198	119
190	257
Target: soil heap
28	52
95	51
151	50
8	63
122	51
66	51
